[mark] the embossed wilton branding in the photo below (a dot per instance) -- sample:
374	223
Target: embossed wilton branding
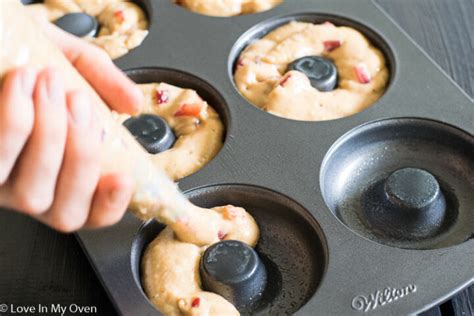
388	295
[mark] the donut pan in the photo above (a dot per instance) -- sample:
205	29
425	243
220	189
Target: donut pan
318	190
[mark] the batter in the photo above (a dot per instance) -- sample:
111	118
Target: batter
197	126
123	25
228	7
261	72
170	268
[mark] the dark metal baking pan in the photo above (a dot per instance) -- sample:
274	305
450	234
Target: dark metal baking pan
349	269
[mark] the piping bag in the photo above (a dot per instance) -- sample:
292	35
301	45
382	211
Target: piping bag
155	195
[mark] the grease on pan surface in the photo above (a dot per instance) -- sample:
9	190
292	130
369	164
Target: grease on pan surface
262	78
228	7
198	128
123	24
170	268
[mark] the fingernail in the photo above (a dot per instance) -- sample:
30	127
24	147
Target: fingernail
80	109
54	87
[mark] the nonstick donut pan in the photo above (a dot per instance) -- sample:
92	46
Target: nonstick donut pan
369	214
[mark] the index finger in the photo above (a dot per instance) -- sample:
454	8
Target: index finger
116	89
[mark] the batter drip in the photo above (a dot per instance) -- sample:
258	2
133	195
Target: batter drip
262	78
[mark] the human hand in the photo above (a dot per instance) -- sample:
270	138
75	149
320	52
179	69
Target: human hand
50	137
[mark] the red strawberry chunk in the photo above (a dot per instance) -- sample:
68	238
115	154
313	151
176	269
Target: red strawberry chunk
189	109
162	96
119	16
195	302
221	235
362	73
331	45
240	62
285	80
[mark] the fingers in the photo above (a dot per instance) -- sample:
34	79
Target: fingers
37	168
118	91
16	116
80	170
49	155
110	201
82	195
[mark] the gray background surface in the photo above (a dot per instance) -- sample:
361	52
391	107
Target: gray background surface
38	265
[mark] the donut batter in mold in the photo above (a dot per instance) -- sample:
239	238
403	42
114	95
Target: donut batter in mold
123	24
170	268
228	7
199	130
262	78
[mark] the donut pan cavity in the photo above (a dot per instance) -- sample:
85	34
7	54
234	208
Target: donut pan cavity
284	224
183	80
303	180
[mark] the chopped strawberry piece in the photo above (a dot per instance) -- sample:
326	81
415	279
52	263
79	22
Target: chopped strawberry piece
162	96
362	73
221	235
331	45
238	64
328	23
119	16
285	80
189	109
195	302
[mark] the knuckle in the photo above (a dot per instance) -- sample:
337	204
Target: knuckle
65	227
66	222
33	204
112	217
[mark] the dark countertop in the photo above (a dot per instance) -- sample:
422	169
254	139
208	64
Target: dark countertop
39	265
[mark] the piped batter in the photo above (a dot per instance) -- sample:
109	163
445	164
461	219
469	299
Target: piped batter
263	76
198	128
123	24
170	267
228	7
